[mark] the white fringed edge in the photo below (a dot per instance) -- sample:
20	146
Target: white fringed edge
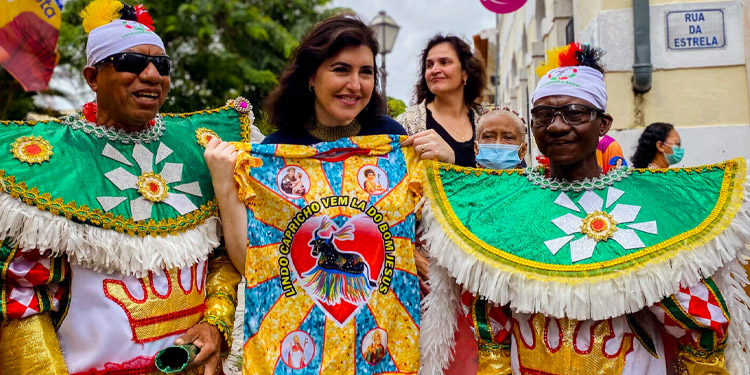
597	300
731	280
440	313
100	249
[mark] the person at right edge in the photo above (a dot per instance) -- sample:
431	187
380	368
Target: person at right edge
638	271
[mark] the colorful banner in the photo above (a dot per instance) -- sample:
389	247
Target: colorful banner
28	40
331	281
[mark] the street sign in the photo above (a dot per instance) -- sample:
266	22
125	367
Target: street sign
696	29
500	6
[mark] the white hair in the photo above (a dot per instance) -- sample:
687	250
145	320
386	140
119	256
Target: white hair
495	115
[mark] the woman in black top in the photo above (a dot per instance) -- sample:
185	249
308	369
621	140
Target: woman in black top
442	124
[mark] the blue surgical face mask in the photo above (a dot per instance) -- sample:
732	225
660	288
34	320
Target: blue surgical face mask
676	155
498	156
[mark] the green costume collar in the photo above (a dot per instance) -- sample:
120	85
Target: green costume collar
106	197
583	251
148	135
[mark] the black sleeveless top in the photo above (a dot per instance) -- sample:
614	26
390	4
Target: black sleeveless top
464	151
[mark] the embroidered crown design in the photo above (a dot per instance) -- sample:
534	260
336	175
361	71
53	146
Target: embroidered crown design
554	346
156	315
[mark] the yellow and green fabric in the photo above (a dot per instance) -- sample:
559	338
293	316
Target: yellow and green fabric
331	281
593	249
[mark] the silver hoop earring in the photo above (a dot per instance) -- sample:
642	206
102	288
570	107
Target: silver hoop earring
464	81
310	87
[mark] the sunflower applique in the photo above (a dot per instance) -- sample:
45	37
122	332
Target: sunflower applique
601	222
32	150
153	188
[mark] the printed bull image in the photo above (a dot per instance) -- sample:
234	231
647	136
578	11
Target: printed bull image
337	275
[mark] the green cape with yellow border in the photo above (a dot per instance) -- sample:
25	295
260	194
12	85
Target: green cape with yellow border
592	249
112	200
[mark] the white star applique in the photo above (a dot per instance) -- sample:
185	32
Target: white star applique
598	224
152	187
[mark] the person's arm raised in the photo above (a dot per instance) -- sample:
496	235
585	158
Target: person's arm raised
221	158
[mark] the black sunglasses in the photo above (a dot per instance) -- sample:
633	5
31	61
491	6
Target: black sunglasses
133	62
572	114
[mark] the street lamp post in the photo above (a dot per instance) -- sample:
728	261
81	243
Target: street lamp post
385	29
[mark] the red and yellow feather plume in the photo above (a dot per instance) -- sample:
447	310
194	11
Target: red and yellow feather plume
560	56
574	54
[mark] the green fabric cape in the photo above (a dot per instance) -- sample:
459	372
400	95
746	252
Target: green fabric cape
72	187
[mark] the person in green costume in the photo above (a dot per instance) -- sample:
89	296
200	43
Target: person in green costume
108	223
632	272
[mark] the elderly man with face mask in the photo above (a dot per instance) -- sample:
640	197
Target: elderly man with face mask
108	220
500	140
629	272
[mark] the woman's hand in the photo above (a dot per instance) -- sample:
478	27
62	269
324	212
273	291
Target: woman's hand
430	145
221	157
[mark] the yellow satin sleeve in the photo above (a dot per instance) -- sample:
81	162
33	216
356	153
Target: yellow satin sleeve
221	296
30	346
693	364
494	360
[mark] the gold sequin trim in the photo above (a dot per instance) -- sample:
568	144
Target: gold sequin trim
245	119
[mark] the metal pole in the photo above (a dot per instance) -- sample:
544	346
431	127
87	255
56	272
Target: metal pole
497	59
385	74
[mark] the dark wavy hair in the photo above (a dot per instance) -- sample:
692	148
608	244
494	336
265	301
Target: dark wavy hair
291	104
646	149
476	77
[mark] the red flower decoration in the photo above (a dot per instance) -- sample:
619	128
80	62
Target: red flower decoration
89	111
141	14
542	160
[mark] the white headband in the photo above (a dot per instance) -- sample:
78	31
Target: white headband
117	36
577	81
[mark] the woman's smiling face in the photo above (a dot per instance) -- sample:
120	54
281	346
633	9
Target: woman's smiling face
343	85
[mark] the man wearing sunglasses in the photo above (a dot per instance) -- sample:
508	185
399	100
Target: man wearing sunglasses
112	248
130	76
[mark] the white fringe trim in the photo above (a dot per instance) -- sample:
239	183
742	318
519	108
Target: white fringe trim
731	280
100	249
440	316
597	300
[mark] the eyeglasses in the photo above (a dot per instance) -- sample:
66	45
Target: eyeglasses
133	62
572	114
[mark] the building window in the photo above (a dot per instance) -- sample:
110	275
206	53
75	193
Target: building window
539	13
570	36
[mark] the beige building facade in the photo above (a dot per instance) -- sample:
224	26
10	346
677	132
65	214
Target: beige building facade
699	57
